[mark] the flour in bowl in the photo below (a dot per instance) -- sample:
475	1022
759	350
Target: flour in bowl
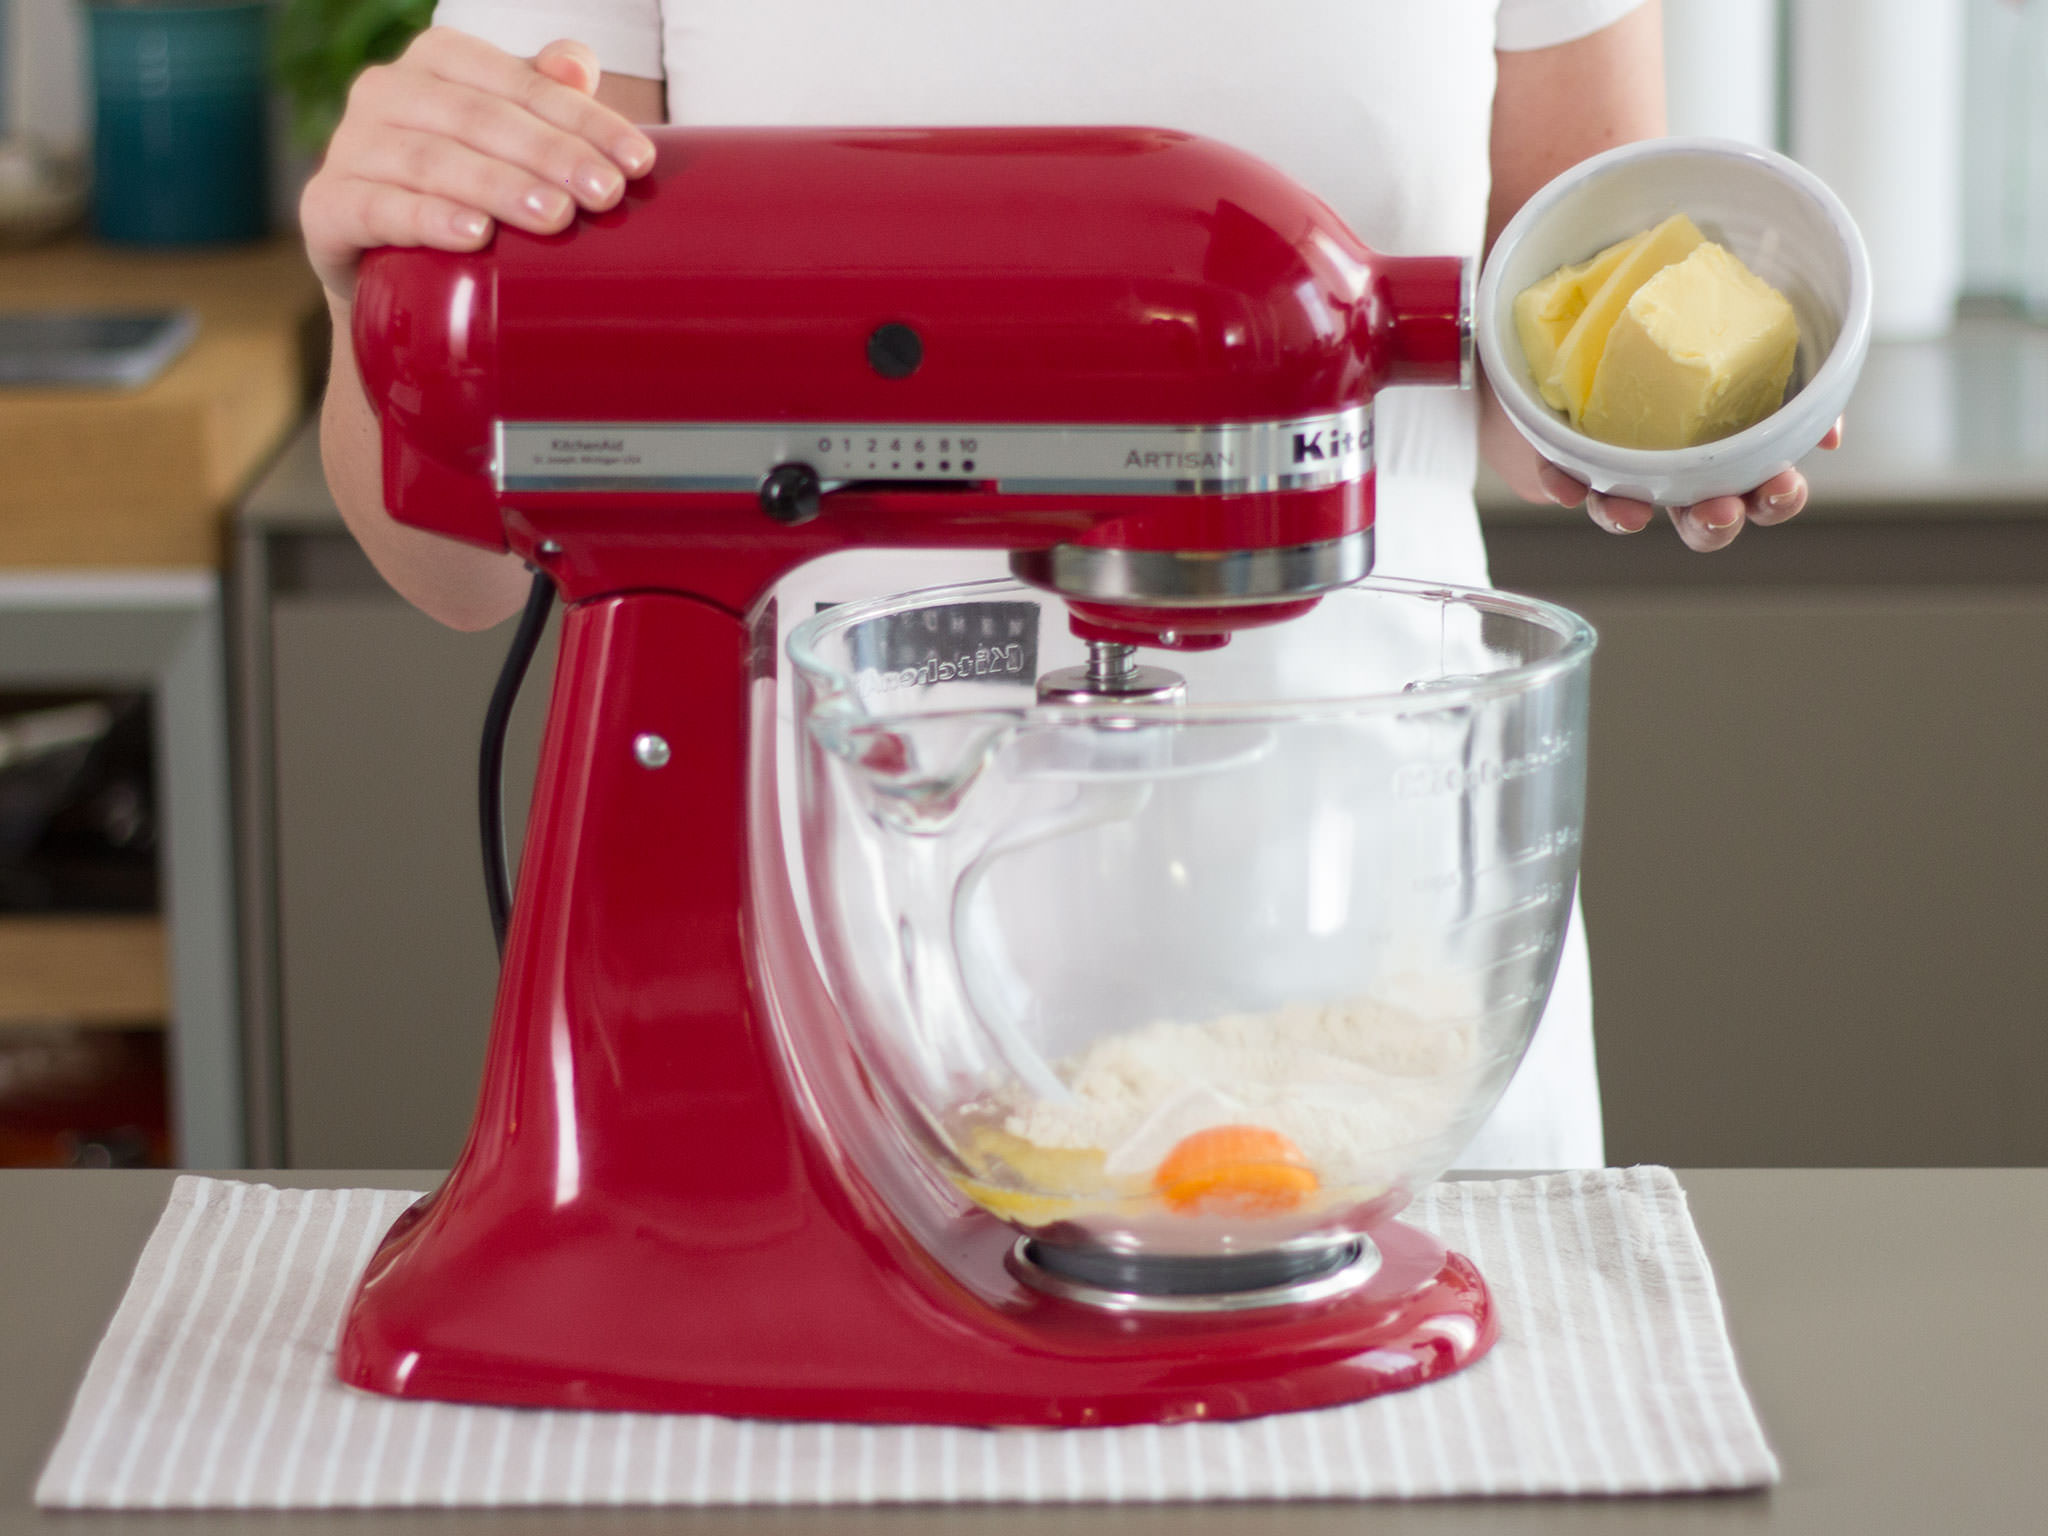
1354	1084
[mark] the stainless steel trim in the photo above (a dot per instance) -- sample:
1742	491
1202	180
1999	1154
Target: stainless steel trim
1332	1283
1081	459
1052	486
1200	577
697	483
1112	675
1145	685
1468	336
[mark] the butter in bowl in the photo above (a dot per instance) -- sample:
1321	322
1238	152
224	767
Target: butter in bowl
1676	319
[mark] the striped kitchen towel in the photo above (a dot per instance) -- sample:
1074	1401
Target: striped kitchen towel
214	1389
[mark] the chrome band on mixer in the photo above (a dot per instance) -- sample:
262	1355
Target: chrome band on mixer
1288	1274
1468	331
1199	577
1302	454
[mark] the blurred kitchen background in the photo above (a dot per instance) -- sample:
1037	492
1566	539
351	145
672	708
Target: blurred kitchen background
241	919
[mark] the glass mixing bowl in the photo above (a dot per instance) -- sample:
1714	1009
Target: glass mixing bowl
1232	976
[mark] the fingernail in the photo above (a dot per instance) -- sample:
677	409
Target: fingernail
546	203
470	225
1603	513
598	185
636	155
1782	501
1726	521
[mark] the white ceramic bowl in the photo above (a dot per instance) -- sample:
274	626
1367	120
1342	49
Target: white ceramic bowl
1774	214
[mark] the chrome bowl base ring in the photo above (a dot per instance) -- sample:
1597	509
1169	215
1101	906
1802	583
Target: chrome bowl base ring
1172	1283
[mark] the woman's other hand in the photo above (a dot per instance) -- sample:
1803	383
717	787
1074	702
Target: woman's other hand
1705	526
456	136
1554	107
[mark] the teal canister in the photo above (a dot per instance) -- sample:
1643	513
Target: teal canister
181	120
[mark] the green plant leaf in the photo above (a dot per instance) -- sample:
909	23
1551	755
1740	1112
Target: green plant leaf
320	46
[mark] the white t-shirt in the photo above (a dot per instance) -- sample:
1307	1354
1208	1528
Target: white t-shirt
1381	107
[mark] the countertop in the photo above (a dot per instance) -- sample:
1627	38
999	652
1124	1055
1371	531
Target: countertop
1889	1323
146	477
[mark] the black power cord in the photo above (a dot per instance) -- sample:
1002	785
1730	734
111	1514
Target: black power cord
491	763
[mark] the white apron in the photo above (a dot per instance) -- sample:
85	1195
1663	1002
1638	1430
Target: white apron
1381	107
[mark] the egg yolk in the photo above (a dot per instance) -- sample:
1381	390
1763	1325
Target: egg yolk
1234	1170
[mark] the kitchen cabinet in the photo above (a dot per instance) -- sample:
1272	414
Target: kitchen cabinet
158	632
1817	823
91	968
369	962
111	538
1814	858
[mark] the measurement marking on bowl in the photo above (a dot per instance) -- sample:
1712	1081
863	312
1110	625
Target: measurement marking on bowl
1555	847
1422	781
1535	901
1507	1004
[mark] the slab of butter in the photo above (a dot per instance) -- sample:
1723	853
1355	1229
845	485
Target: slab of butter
1578	355
1546	310
1701	350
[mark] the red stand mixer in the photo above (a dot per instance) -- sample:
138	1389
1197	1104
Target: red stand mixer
1140	362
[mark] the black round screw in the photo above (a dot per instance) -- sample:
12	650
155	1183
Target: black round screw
895	350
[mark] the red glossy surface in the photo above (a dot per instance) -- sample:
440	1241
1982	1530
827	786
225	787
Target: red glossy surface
1427	340
1182	629
1055	275
678	1192
674	1196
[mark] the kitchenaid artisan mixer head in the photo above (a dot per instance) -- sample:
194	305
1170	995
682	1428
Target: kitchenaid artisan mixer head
1140	362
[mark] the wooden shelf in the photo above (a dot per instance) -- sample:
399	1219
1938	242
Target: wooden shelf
110	477
83	969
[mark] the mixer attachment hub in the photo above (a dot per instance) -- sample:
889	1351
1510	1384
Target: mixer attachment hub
1112	675
1231	1282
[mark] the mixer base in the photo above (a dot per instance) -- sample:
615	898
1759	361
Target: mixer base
1000	1353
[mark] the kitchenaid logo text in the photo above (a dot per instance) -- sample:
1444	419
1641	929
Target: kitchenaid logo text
983	661
1419	781
1327	443
587	445
981	641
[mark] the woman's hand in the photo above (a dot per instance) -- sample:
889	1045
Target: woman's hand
436	149
455	136
1552	108
1705	526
